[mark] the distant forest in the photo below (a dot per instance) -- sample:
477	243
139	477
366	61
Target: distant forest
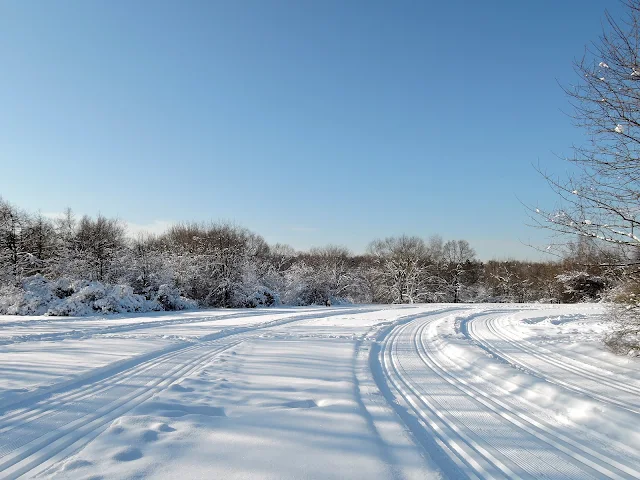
71	266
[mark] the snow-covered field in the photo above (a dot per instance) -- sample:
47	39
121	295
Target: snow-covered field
399	392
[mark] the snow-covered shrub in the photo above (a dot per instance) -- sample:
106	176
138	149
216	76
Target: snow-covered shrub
625	340
120	299
39	296
580	286
33	298
262	298
169	298
625	312
11	301
253	295
473	294
625	336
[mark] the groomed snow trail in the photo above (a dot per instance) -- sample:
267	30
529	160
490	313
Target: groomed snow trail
585	375
42	433
484	428
397	392
37	329
35	436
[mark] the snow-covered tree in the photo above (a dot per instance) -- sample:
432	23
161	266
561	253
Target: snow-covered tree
458	264
403	268
99	248
146	265
15	260
39	242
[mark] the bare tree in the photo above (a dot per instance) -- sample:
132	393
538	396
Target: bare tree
14	260
334	271
38	239
402	264
458	256
601	201
99	242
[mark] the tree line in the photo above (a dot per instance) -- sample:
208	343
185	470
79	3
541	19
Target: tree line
224	265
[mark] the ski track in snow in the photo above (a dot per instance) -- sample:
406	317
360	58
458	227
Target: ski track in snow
453	391
36	436
584	375
56	328
486	431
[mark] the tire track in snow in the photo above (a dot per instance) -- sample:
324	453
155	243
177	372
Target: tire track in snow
490	384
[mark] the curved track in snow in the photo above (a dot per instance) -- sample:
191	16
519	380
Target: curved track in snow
62	328
484	430
41	433
585	375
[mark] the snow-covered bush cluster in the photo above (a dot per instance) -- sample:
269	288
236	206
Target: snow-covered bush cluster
39	296
580	285
87	266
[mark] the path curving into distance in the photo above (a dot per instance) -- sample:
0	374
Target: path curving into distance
484	429
588	376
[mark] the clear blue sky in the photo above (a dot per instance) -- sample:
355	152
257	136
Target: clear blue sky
307	122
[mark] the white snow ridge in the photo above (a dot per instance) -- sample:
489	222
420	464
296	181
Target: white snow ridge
358	392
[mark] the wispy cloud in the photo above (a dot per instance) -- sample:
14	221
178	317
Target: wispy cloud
156	227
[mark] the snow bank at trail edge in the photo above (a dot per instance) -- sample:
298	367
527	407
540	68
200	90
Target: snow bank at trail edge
63	297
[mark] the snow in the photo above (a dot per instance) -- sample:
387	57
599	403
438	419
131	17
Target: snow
33	367
286	408
398	392
619	129
64	297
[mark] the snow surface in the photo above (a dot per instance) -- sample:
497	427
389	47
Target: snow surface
398	392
